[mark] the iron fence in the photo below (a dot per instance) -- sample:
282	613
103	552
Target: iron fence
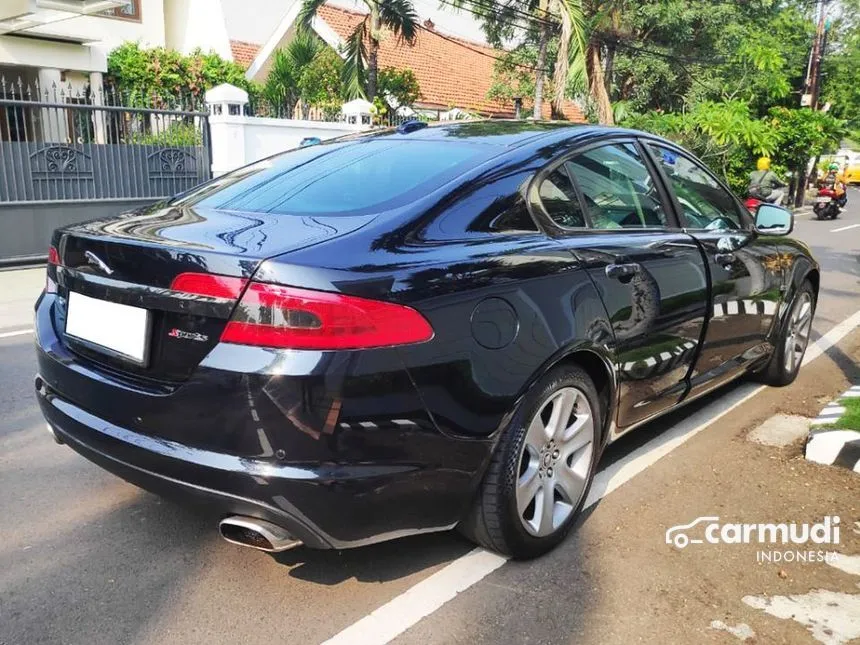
59	144
262	107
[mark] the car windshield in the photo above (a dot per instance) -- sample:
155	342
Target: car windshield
346	178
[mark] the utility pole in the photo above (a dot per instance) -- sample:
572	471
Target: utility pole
812	85
812	91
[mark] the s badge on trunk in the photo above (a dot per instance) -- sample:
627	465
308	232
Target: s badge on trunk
187	335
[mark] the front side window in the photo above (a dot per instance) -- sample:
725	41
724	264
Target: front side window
618	190
706	204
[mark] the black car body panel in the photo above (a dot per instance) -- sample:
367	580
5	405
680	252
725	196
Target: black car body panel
347	447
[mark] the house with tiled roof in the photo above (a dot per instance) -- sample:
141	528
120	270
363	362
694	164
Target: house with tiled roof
453	73
65	43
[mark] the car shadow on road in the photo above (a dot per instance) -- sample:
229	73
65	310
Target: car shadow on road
382	562
105	581
844	362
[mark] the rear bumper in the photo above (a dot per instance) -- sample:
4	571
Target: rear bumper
147	463
358	477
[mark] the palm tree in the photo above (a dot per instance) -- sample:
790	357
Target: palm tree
504	18
570	58
362	62
281	88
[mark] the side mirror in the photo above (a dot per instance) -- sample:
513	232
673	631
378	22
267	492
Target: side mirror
773	220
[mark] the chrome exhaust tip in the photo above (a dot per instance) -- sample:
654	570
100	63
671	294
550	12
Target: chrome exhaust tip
257	534
54	434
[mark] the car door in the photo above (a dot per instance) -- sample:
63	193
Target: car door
604	205
746	274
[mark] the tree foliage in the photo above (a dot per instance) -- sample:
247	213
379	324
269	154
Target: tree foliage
281	89
362	46
320	83
164	77
841	68
398	87
723	134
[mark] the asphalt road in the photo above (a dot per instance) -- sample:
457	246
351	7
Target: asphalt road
87	558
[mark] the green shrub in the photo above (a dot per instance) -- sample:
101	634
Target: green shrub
176	135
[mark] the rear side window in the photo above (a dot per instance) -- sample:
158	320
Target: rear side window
341	178
559	199
617	187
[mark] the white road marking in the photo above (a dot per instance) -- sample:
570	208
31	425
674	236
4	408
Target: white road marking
832	617
20	332
847	563
844	228
740	631
402	612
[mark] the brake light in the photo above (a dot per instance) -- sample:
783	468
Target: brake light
208	284
290	318
53	261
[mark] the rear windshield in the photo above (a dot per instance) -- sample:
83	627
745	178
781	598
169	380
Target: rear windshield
339	178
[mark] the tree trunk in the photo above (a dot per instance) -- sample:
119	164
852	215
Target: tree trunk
596	85
610	67
539	72
372	68
373	52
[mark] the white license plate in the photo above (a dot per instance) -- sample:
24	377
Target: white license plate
823	200
119	328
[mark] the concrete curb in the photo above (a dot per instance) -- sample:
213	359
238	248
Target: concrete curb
834	446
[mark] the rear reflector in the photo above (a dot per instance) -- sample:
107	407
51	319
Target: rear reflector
53	261
207	284
290	318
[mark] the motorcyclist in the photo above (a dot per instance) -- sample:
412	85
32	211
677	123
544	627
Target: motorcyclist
764	184
835	181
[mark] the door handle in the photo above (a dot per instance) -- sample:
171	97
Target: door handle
622	271
725	259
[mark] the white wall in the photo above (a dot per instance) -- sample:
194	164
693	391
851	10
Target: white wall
31	52
100	33
240	140
253	21
190	24
110	32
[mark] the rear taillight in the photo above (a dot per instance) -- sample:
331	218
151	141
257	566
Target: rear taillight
207	284
290	318
53	263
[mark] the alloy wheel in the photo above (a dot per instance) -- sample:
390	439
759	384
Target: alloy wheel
554	461
797	335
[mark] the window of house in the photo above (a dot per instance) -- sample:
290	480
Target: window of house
706	204
617	187
130	10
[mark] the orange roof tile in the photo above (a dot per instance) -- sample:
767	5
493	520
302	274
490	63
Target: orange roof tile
451	72
244	53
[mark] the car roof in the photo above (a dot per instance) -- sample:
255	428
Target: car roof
497	132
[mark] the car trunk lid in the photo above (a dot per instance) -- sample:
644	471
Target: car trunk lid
134	259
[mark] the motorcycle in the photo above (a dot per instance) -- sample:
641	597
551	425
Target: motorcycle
826	205
752	205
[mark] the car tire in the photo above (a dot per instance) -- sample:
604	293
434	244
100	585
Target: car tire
538	452
782	368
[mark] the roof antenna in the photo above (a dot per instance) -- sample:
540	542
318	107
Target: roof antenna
411	126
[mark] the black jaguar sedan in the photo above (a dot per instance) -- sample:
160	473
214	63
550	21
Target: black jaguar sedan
413	330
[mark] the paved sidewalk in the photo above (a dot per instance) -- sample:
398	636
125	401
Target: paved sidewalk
19	289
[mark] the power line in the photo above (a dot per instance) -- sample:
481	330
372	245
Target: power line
489	5
462	44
